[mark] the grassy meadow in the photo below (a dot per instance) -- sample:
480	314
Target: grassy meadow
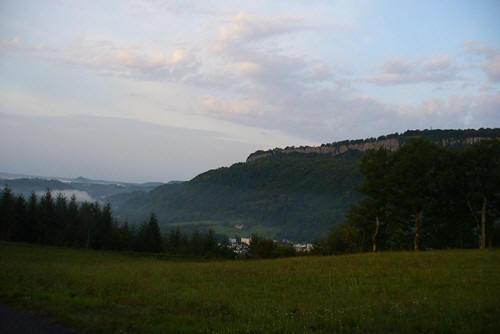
247	227
405	292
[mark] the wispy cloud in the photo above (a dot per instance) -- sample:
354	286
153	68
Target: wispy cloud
247	72
325	115
172	153
177	7
430	70
491	58
265	72
109	58
16	44
244	28
132	61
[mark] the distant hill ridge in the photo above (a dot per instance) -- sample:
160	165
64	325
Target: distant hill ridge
91	189
390	142
276	194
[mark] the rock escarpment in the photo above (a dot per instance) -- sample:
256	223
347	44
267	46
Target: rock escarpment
334	149
391	142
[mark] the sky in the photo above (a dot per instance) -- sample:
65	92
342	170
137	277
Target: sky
159	90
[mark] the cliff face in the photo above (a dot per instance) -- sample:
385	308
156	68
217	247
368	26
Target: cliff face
393	143
463	141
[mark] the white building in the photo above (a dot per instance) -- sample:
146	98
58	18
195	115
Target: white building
303	248
246	241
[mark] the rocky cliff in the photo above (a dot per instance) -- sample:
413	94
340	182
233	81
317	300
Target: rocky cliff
391	142
334	149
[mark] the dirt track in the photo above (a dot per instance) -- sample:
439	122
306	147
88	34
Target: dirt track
20	322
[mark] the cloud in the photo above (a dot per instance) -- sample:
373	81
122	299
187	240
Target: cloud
265	69
324	113
430	70
16	44
492	68
274	91
109	58
151	7
213	104
136	62
244	28
112	148
250	72
461	110
491	59
246	83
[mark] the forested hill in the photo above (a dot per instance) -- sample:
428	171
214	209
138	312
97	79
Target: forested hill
294	195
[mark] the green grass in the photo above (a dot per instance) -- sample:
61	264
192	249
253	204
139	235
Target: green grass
228	227
405	292
196	222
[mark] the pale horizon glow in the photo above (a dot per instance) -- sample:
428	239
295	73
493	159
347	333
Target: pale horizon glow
159	90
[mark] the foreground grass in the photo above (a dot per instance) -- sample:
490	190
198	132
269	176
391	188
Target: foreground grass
438	292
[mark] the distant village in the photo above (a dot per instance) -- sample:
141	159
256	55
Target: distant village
241	246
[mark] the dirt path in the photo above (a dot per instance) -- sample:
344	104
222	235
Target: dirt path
21	322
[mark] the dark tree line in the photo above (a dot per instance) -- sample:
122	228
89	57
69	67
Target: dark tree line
50	220
201	244
424	196
262	248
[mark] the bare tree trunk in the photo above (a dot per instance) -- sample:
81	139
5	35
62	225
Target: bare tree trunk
483	224
374	236
478	223
418	228
88	239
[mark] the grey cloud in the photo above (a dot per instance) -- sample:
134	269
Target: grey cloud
277	69
491	59
492	68
136	62
16	44
323	112
112	148
319	116
108	58
244	28
246	71
399	72
398	66
478	48
151	7
306	98
358	116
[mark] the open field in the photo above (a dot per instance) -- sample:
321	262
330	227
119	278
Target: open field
438	292
228	228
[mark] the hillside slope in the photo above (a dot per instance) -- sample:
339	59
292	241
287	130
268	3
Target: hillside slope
293	197
291	193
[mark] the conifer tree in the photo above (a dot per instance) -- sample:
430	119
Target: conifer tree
7	214
155	243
